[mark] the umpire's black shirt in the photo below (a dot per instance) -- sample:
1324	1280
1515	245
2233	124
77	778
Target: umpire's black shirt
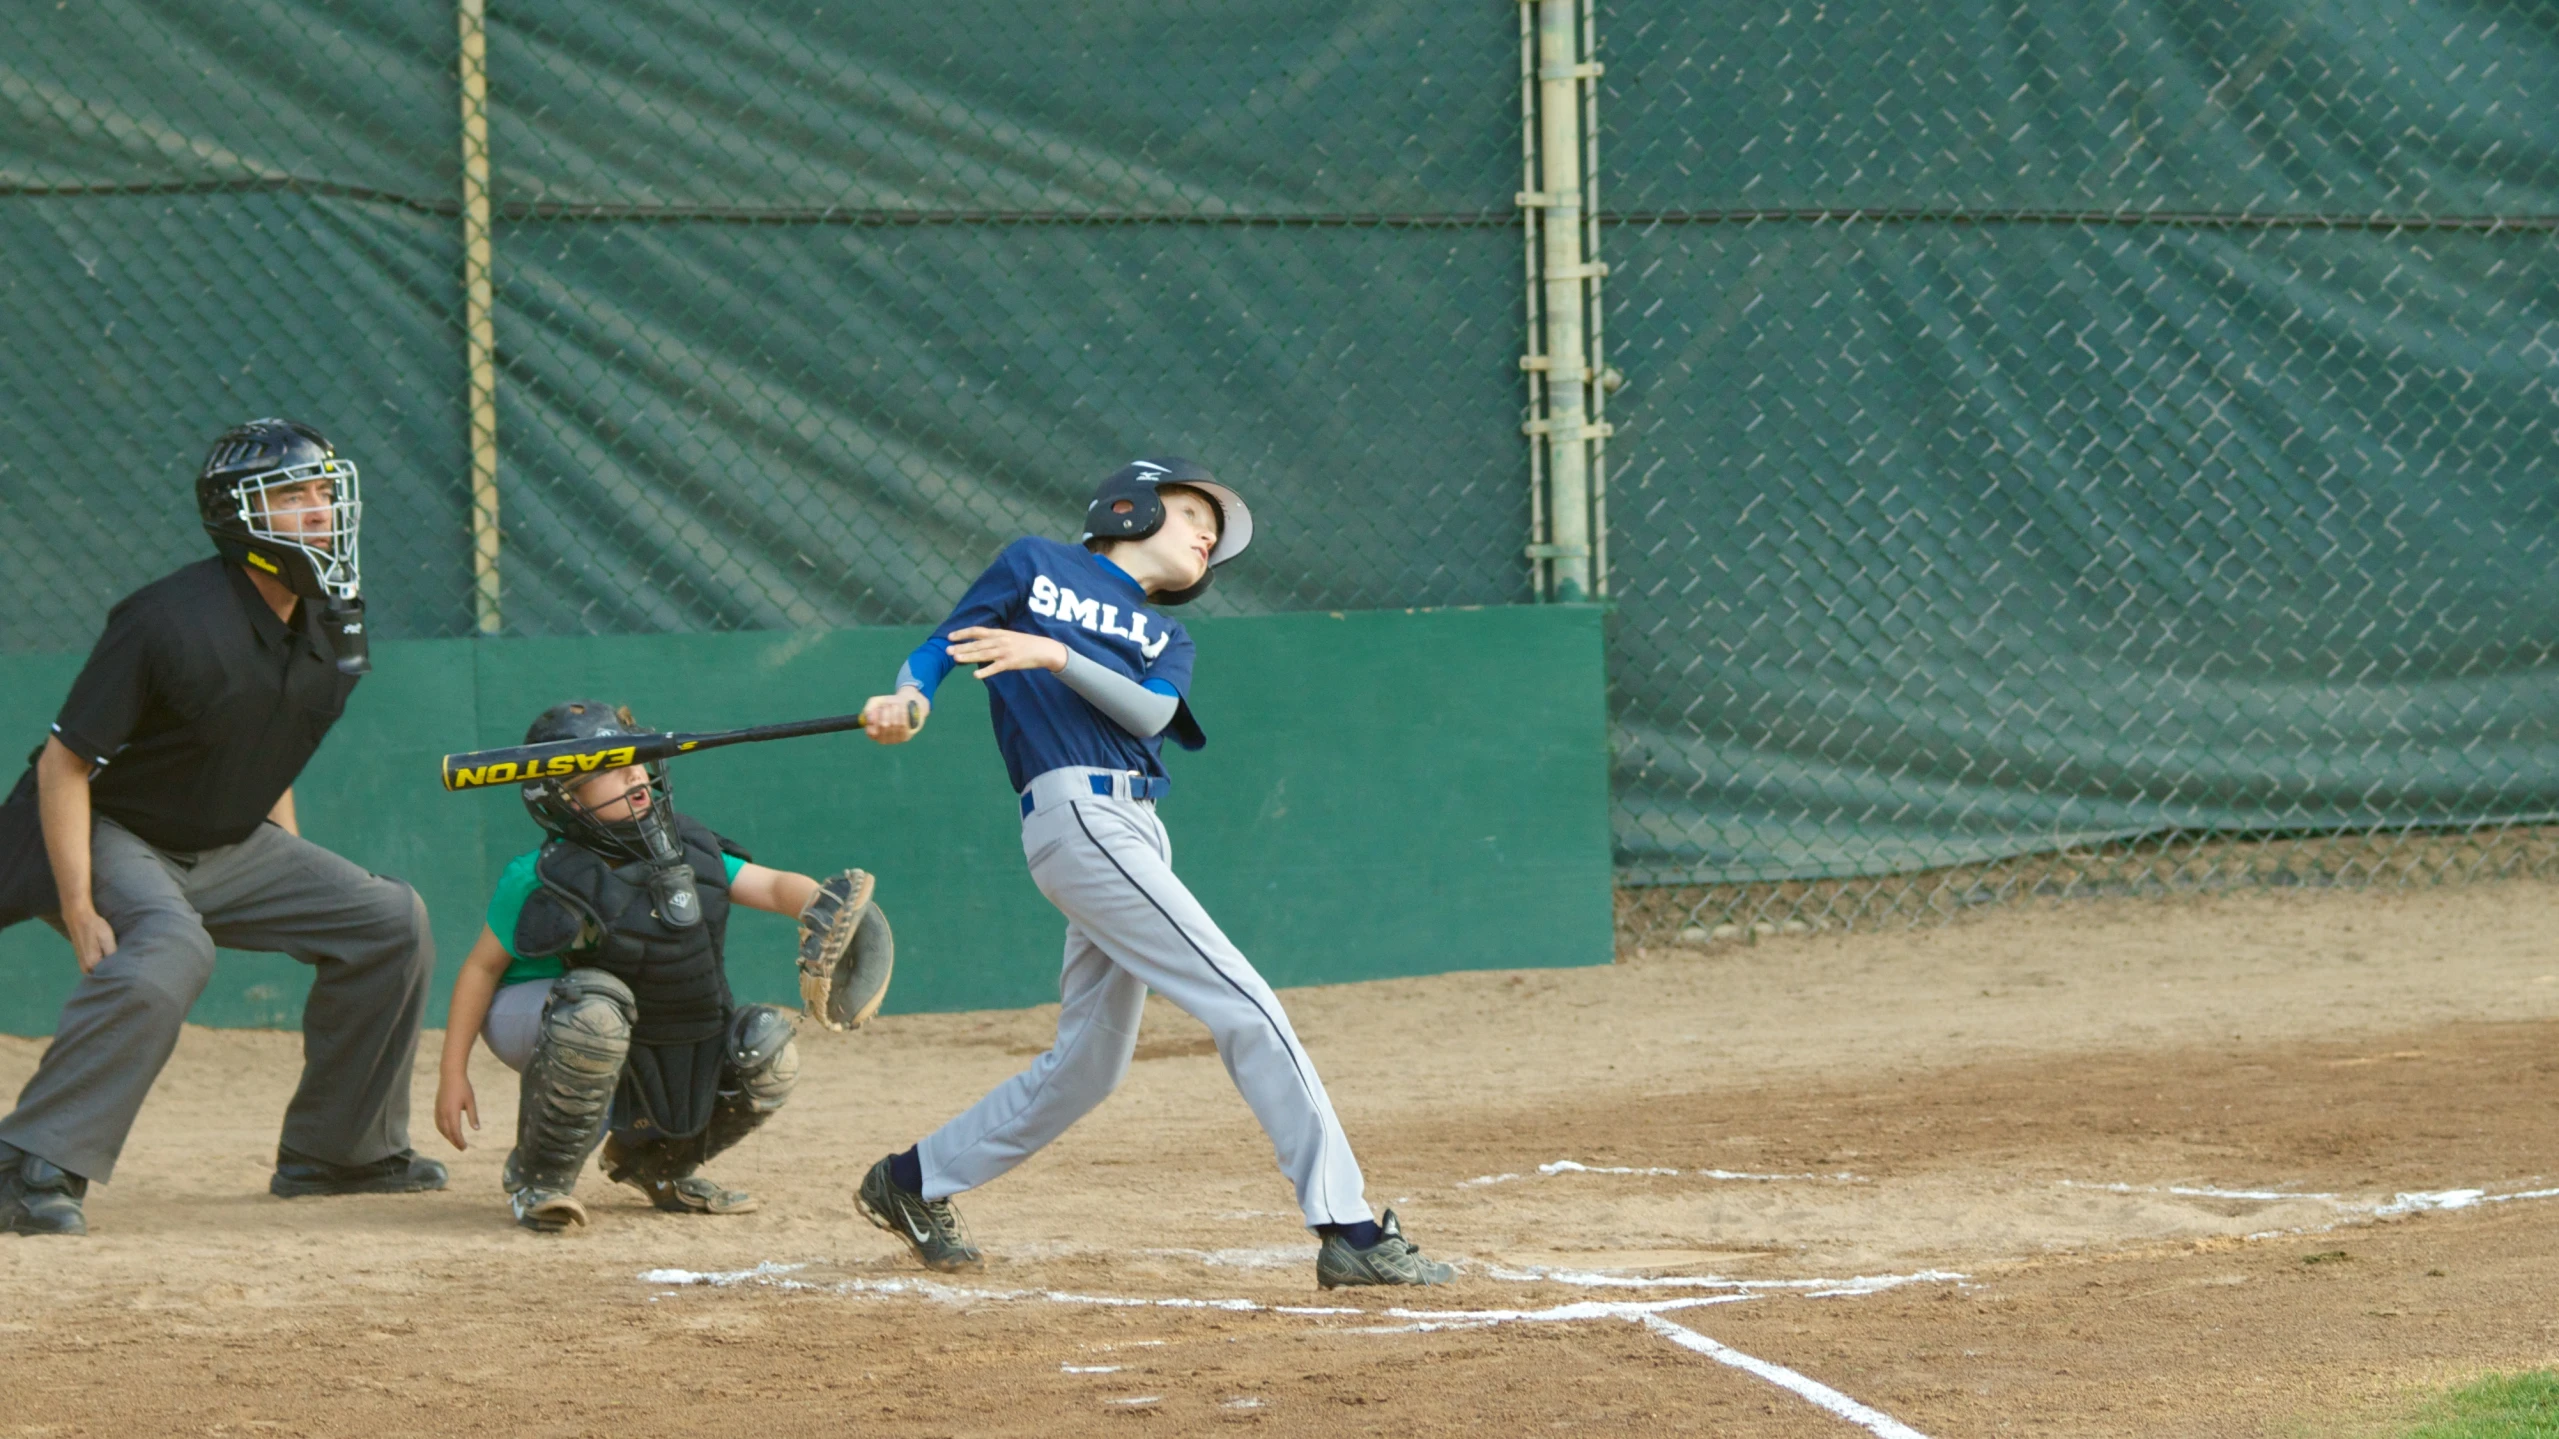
199	707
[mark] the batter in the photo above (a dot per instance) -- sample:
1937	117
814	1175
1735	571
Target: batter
1085	679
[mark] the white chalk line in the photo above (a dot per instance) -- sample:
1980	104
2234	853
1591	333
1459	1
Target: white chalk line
1567	1166
1647	1312
2348	1211
1873	1420
2424	1201
2194	1191
1862	1284
1432	1321
1285	1256
2406	1202
778	1276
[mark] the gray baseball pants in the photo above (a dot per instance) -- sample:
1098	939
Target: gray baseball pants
513	1027
366	937
1131	925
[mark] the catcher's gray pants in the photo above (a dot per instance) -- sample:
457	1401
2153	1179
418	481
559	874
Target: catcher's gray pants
1131	925
364	935
514	1023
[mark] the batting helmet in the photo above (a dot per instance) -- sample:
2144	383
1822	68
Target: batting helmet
1127	507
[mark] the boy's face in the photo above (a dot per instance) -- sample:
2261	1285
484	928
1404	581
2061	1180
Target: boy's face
1183	546
615	795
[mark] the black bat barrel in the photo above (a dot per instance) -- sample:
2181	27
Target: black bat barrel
567	758
556	759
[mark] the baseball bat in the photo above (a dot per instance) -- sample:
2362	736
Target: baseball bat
517	763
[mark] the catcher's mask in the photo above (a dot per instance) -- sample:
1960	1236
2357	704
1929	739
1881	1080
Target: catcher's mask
249	494
647	833
1127	507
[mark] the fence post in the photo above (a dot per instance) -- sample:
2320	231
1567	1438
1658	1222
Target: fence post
1533	363
1566	286
479	328
1602	378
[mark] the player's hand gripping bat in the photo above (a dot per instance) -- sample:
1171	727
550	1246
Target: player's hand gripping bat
518	763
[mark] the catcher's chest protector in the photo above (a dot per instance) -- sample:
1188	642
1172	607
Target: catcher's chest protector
603	912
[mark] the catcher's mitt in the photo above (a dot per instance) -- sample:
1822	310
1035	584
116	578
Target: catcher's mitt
846	952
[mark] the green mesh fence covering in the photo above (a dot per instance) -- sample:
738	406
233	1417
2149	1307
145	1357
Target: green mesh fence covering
2084	429
210	212
805	313
2088	430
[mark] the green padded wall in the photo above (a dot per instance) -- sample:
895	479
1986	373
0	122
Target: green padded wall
1384	793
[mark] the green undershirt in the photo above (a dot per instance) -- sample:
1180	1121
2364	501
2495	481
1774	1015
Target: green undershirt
515	886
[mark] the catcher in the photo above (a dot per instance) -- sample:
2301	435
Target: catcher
601	978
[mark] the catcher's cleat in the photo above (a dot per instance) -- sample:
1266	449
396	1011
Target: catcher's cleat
930	1227
547	1211
694	1194
1391	1260
663	1171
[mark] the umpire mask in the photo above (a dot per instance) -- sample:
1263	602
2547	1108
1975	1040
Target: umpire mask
274	496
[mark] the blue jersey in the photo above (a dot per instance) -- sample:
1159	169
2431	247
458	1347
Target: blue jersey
1072	595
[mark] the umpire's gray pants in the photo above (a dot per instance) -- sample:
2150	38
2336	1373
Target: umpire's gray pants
1132	925
364	935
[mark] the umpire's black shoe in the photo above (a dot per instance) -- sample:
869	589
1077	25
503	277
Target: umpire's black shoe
299	1175
38	1196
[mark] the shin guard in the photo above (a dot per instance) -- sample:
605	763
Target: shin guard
568	1084
763	1068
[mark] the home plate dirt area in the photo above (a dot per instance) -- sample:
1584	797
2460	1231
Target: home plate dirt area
2270	1164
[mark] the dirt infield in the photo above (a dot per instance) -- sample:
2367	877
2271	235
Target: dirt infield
2254	1165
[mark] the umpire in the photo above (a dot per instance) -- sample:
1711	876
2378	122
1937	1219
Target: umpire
157	822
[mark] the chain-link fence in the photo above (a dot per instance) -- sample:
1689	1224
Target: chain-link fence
799	314
804	314
2055	442
209	213
2061	441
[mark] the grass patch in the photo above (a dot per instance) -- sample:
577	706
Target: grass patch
2501	1406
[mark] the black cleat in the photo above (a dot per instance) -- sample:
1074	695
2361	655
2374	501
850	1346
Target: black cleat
299	1176
694	1194
930	1227
38	1196
1393	1259
663	1172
